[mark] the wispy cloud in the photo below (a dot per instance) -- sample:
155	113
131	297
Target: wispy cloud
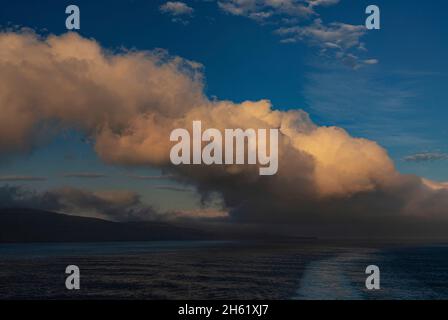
174	188
324	3
207	213
336	39
21	178
263	9
426	156
179	11
157	177
369	103
87	175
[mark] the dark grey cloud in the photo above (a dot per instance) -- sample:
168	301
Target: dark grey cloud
426	156
123	206
13	178
156	177
112	205
87	175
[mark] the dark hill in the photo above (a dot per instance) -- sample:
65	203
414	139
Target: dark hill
29	225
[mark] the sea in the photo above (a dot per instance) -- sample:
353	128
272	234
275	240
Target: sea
302	270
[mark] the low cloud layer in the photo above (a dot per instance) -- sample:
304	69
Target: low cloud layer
114	205
110	205
129	102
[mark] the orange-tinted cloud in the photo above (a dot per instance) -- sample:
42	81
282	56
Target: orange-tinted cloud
129	102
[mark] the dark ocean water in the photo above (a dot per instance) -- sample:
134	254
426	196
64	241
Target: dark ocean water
222	270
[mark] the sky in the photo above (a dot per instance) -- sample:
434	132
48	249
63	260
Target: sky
388	85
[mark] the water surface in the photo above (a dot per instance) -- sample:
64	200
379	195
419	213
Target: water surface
222	270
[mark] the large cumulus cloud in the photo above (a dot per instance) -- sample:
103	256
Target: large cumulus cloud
129	102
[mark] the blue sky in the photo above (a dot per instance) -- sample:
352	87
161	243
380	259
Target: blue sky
400	101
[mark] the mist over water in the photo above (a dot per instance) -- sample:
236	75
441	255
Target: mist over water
221	270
